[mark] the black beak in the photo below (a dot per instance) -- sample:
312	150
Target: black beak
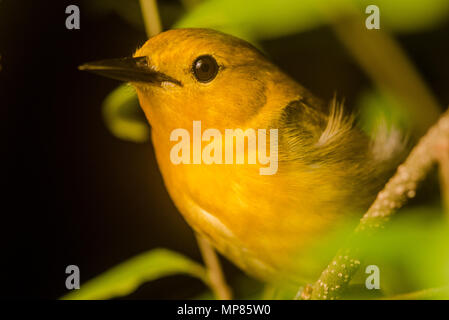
129	70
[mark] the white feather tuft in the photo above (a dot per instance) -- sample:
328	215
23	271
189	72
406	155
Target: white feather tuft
338	124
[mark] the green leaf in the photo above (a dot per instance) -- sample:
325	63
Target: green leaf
410	15
412	252
265	19
252	20
129	275
123	116
379	108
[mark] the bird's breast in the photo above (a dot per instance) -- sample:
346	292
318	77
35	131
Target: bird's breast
259	222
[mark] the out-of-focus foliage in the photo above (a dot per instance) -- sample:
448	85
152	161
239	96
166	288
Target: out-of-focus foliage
263	19
123	117
254	20
128	276
410	15
412	252
377	109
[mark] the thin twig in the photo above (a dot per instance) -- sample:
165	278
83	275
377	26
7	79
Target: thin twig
402	186
151	18
216	277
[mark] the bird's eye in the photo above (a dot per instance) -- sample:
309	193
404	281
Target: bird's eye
205	68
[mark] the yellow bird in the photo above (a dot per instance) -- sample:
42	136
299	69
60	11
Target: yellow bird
328	171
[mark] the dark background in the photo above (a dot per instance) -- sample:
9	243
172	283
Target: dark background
74	193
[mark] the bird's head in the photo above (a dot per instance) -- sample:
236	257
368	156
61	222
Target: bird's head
183	75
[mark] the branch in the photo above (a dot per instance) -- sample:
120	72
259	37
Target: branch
402	186
216	277
151	18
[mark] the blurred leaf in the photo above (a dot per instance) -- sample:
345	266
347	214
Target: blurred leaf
412	253
129	275
123	116
264	19
253	20
261	19
410	15
377	109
